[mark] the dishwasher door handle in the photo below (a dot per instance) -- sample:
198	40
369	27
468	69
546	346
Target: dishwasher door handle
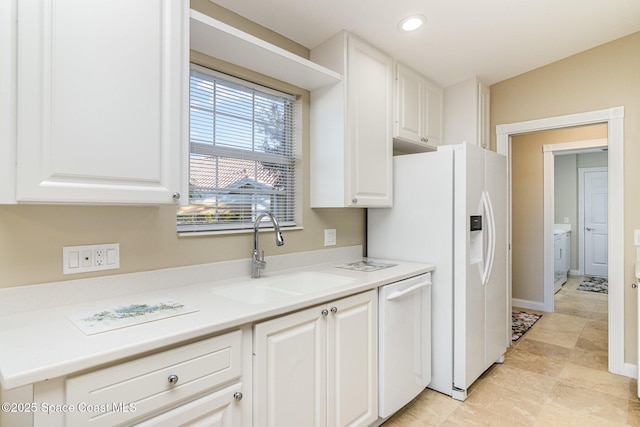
398	294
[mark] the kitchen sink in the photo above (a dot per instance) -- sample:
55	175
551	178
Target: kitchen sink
252	293
272	289
306	282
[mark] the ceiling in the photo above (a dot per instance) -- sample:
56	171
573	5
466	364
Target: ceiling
491	39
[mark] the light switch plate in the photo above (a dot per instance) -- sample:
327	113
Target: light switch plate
83	259
636	237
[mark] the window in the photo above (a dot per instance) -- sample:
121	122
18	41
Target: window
242	157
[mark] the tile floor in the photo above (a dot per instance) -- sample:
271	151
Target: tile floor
555	375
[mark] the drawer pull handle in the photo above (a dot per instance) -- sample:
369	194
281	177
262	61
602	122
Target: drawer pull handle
173	379
237	395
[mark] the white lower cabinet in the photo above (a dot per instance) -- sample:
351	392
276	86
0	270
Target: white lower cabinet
214	410
198	384
318	366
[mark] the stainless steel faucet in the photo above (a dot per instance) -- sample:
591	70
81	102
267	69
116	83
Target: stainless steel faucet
258	262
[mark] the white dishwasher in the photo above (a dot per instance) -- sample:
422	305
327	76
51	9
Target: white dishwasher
404	339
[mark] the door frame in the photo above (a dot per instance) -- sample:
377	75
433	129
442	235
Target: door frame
582	266
614	118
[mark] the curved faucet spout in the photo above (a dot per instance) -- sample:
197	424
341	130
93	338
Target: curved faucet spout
258	262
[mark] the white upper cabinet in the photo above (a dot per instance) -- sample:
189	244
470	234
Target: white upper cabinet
351	126
418	112
8	68
467	113
101	112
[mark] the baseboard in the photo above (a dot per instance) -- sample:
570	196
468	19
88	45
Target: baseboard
531	305
630	370
575	273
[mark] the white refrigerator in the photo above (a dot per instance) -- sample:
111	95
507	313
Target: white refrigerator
450	210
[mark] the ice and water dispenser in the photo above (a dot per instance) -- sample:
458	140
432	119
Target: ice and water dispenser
476	243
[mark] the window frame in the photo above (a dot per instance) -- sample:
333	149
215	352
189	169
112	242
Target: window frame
295	159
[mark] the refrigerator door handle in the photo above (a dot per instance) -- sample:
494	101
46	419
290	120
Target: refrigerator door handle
491	249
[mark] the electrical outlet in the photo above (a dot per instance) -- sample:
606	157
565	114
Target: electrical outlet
83	259
330	237
98	257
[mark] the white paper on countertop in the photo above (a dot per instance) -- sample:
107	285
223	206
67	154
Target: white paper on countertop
127	315
366	265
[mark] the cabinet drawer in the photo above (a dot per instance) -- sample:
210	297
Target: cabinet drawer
143	386
216	409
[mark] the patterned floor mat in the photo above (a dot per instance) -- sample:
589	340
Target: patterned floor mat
594	284
521	322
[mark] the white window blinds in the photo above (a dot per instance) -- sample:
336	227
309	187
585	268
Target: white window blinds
242	159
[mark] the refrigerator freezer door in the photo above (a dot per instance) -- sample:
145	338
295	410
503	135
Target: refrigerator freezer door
469	292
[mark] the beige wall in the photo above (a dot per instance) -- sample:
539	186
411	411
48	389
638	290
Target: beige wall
32	237
603	77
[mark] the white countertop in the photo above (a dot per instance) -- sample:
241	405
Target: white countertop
40	343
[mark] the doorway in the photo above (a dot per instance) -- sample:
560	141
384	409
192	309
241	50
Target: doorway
614	118
580	211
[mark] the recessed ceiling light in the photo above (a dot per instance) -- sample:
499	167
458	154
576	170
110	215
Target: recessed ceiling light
412	23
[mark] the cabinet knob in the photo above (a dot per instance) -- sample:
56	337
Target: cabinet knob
325	312
176	196
334	309
354	200
173	379
237	395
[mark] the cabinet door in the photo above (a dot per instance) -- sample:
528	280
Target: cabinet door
290	370
221	409
8	69
434	101
557	254
100	100
566	252
353	361
410	107
369	125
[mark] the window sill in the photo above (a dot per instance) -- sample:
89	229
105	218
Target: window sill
243	231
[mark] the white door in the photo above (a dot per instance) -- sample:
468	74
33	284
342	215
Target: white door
596	224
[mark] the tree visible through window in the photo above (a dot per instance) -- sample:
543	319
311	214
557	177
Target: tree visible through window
242	158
